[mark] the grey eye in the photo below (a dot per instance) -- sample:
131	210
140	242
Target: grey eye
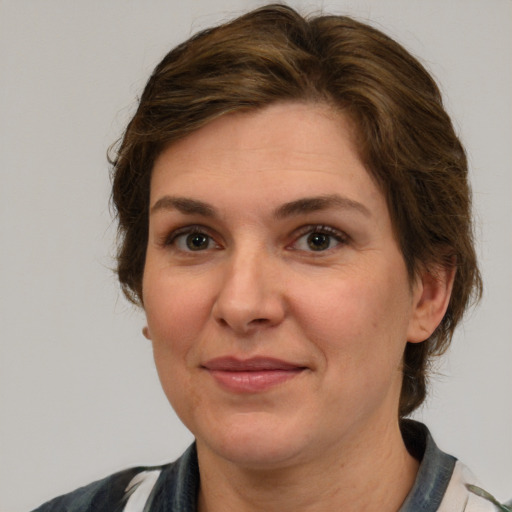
319	241
197	241
319	238
192	241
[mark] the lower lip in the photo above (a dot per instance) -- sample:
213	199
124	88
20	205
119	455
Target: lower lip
254	381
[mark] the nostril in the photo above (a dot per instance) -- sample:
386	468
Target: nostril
243	326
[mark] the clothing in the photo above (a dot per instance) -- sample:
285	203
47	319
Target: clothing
440	485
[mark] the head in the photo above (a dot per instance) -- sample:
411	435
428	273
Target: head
403	136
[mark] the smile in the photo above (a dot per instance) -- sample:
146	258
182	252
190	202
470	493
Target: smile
252	375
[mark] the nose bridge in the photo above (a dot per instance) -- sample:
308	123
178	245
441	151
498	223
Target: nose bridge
249	293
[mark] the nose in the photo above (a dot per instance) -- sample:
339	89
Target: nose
250	294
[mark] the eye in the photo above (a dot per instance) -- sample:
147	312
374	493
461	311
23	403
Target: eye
195	241
192	239
319	239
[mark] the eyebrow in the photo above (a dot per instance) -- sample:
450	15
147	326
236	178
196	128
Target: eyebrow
300	206
184	205
313	204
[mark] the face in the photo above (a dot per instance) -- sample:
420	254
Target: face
277	300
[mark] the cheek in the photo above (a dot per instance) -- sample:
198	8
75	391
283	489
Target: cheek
176	311
358	330
362	319
175	307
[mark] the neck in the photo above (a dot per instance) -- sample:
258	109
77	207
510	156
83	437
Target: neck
375	474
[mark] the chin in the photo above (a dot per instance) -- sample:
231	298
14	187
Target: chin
254	442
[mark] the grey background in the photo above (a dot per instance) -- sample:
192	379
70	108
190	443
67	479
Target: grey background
78	392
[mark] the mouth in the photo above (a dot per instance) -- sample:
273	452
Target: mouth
253	375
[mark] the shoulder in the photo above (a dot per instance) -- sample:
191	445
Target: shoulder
164	488
464	493
443	484
108	494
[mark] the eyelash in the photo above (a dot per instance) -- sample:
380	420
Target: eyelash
339	236
187	231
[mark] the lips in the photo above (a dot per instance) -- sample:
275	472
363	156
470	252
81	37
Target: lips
253	375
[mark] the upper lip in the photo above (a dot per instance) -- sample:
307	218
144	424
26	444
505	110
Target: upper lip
253	364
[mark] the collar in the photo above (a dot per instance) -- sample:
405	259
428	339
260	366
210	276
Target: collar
435	471
178	484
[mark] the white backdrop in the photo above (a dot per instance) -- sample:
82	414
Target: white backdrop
79	394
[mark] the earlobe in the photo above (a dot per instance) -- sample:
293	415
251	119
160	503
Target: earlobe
145	332
431	297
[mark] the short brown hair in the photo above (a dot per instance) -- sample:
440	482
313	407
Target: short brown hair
405	138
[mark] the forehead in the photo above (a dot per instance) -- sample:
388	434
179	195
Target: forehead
294	148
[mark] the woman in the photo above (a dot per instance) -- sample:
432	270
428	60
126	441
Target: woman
295	221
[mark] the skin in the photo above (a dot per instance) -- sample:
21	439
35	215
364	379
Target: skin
338	305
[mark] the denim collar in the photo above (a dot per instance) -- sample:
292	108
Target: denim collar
435	471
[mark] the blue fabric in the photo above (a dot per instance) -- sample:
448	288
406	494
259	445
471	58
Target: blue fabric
177	487
435	470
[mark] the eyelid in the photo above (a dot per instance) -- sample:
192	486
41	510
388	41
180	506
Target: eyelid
322	228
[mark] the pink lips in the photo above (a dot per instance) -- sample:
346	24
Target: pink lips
251	375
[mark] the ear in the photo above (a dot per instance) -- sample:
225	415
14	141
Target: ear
431	296
146	333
